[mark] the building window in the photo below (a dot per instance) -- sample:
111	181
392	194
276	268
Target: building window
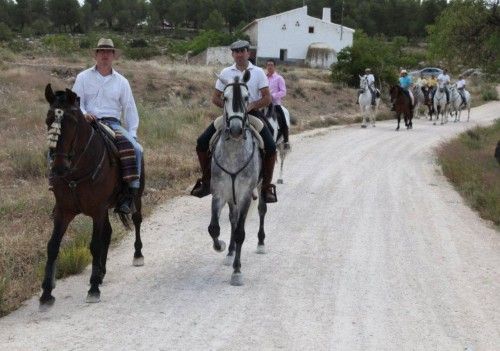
311	29
297	24
283	27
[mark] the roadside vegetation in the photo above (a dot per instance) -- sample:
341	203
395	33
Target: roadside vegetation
468	162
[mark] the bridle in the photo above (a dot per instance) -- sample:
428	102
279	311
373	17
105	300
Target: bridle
244	120
53	139
238	105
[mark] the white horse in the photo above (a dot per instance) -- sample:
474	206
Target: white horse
456	104
440	103
236	172
365	102
278	138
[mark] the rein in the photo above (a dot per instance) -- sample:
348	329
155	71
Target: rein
234	174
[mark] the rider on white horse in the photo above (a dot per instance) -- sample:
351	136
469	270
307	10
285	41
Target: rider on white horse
461	87
370	78
277	88
445	79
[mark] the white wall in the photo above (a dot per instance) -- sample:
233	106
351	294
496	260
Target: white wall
296	39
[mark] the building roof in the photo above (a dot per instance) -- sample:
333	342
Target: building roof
301	10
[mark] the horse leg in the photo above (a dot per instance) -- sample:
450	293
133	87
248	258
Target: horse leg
282	154
214	228
233	219
96	248
239	238
137	219
363	114
398	116
106	239
61	221
138	257
261	235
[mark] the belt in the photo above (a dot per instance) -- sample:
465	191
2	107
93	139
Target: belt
109	120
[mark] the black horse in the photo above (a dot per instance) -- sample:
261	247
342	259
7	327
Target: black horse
402	105
85	178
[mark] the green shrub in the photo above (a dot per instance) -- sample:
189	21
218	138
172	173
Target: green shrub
5	32
60	44
141	53
488	92
138	43
39	27
207	39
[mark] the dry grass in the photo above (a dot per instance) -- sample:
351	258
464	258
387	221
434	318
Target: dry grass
469	164
174	103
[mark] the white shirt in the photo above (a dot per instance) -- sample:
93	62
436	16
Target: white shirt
107	96
257	81
370	78
444	78
461	84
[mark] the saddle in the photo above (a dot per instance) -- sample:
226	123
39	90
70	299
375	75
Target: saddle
109	137
255	124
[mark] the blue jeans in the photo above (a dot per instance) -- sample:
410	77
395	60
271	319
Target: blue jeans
116	126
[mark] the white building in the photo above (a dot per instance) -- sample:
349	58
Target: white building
294	36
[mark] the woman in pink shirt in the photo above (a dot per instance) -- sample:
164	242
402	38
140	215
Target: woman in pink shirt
277	88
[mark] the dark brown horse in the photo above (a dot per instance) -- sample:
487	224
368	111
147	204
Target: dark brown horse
402	105
85	178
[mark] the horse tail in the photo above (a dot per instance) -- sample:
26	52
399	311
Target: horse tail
125	219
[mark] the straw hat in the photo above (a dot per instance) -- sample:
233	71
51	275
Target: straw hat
106	44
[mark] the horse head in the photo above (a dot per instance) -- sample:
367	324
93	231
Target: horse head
441	87
363	83
62	121
235	98
394	92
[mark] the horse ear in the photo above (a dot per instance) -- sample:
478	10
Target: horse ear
71	96
49	94
246	76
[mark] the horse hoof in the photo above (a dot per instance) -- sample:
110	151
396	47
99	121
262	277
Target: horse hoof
93	298
434	123
236	279
363	126
222	246
138	261
46	303
261	249
279	181
228	260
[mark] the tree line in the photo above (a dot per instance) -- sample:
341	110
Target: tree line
388	17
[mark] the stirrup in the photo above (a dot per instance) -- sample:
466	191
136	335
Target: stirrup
200	189
271	188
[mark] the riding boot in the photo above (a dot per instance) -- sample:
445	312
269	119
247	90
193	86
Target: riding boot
126	206
268	189
202	186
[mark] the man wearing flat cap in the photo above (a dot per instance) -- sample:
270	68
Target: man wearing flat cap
260	97
105	95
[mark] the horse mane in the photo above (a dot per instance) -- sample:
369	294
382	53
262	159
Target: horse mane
237	97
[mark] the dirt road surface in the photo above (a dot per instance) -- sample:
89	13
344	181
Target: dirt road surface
369	248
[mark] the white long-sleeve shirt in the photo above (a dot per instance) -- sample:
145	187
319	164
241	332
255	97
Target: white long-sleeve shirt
107	96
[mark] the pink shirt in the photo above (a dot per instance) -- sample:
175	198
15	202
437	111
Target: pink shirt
277	87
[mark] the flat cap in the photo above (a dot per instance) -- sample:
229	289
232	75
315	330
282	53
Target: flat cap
240	44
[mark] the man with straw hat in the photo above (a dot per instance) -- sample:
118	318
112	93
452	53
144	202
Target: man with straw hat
105	95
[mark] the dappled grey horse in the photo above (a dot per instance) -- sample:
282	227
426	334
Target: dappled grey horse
440	103
456	103
236	169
